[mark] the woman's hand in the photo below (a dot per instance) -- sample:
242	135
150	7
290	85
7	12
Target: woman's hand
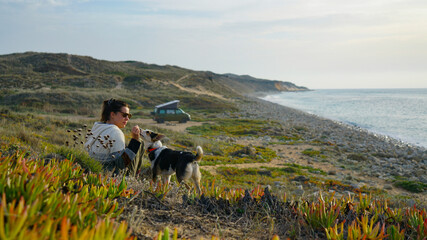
135	132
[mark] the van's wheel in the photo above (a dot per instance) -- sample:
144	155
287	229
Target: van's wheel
183	121
161	120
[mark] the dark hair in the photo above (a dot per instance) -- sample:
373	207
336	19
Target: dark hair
109	106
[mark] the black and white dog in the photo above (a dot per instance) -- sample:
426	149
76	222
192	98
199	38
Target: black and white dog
166	162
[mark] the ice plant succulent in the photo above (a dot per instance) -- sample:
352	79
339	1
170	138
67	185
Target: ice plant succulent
320	214
335	233
417	221
56	200
394	233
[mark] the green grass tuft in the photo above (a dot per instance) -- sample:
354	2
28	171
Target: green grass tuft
412	186
79	156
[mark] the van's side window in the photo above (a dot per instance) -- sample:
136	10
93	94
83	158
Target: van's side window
170	111
161	111
178	111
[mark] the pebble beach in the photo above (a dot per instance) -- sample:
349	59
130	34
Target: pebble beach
378	156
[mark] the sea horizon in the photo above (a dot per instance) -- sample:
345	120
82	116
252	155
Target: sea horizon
409	88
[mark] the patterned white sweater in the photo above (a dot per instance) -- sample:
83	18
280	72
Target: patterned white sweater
106	143
105	139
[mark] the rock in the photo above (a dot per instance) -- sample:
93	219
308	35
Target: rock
348	193
246	151
349	177
407	174
357	156
300	179
357	185
375	174
407	167
423	179
299	190
410	202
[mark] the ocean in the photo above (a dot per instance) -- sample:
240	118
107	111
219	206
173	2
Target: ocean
397	113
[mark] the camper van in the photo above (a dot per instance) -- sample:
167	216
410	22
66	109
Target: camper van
170	112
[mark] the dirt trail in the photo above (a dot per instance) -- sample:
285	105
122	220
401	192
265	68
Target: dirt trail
182	78
199	90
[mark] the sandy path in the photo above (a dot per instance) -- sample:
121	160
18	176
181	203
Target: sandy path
199	90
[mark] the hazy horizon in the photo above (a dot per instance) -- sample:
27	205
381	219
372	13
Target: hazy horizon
327	44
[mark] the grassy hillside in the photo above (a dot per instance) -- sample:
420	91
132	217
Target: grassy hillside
63	83
45	69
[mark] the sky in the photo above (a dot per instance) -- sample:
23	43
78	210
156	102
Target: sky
318	44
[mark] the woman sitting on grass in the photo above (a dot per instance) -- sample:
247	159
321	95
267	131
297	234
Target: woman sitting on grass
106	142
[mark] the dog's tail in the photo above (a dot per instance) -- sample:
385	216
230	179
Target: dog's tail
199	154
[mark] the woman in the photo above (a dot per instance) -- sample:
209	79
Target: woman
106	142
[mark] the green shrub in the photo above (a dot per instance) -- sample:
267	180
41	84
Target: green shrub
412	186
310	152
236	127
357	157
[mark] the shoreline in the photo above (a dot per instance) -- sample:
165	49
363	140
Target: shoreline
352	127
378	155
403	140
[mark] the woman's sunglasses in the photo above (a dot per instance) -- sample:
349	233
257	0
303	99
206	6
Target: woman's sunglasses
129	115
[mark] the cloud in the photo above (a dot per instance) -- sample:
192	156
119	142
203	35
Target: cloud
42	3
276	39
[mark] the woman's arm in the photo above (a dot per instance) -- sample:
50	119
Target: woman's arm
121	158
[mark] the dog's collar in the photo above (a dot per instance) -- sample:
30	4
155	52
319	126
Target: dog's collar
154	154
151	149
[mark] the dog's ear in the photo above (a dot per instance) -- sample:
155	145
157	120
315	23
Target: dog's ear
158	137
152	135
